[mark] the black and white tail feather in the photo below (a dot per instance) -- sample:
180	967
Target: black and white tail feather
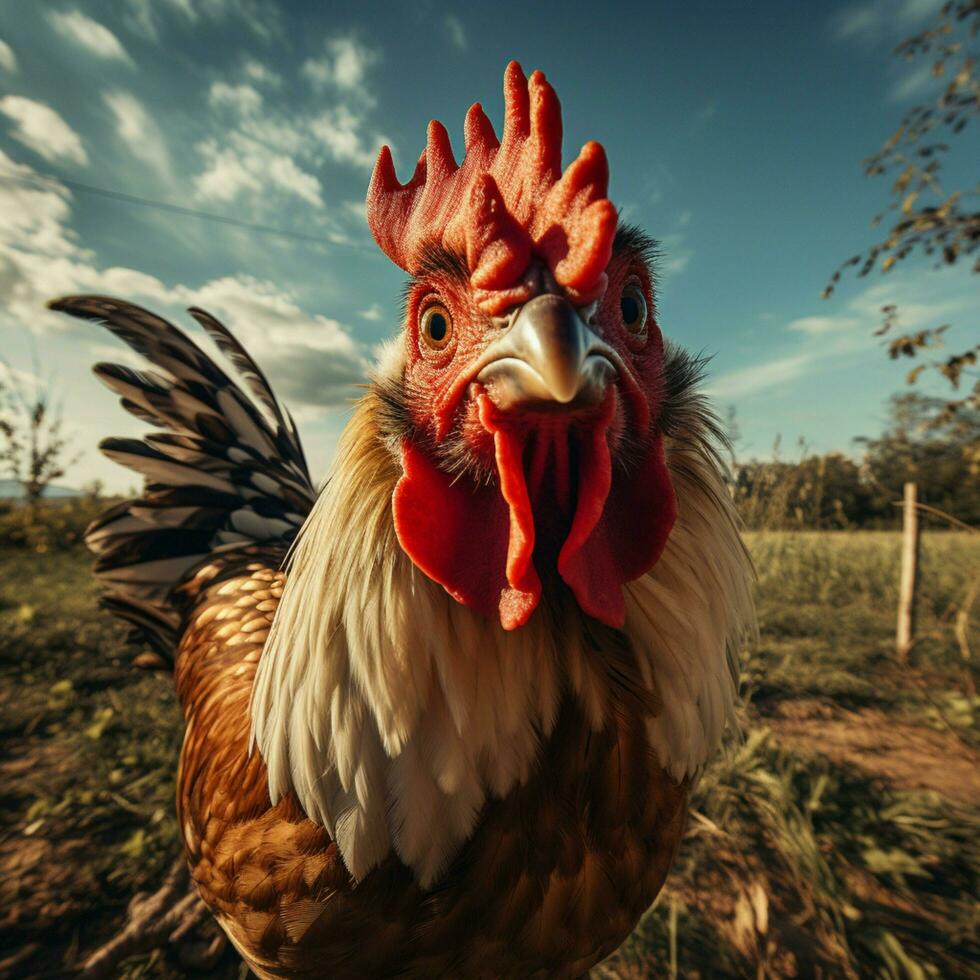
227	472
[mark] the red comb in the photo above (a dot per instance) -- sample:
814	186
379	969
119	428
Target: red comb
506	201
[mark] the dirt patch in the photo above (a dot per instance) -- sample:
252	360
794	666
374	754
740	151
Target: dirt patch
905	756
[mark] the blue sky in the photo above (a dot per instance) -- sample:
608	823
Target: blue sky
734	133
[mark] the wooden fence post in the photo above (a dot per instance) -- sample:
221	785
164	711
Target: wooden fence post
906	593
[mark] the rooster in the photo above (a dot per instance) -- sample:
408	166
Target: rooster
443	717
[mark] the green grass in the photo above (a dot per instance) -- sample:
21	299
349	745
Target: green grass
809	853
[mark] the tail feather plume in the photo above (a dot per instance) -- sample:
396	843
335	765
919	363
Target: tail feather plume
223	470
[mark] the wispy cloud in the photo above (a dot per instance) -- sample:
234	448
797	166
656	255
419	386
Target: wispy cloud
455	31
146	17
8	60
244	99
90	34
261	148
34	215
343	133
262	17
372	313
858	20
261	74
677	252
759	377
915	83
137	129
41	129
874	19
250	168
924	298
311	359
343	65
138	18
674	261
815	325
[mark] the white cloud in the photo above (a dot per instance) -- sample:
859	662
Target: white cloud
312	359
262	17
232	171
136	128
455	31
912	12
915	83
758	378
309	358
342	132
226	175
141	15
33	212
41	129
260	151
924	297
244	99
823	324
674	261
284	173
261	74
288	134
8	60
857	20
36	244
90	34
372	313
876	18
185	7
344	65
357	210
139	18
677	253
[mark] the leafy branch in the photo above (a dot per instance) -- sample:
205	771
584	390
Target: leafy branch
925	218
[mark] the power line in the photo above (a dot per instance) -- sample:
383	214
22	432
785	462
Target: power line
77	185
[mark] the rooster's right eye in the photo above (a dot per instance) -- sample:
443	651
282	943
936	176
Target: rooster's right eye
436	327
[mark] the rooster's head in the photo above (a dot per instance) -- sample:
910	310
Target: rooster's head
531	381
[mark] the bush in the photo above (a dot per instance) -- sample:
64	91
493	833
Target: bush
49	525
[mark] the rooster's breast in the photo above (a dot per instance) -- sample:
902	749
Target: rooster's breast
553	879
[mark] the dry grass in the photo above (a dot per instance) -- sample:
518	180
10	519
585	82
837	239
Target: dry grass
839	839
842	837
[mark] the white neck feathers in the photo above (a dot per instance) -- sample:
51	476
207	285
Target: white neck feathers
392	711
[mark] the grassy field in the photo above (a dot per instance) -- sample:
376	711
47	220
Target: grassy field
840	838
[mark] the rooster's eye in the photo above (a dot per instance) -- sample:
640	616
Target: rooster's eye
436	327
633	306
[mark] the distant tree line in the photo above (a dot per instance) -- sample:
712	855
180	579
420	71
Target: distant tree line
835	490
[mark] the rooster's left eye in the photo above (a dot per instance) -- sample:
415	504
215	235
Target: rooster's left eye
436	327
633	307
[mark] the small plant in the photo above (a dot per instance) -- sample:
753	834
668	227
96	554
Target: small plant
33	446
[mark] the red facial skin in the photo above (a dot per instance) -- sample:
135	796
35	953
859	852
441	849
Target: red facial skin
443	393
566	487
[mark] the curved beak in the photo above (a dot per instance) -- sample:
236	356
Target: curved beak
548	356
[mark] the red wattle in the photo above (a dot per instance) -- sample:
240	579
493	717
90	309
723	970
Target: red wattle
465	536
523	591
478	541
636	511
